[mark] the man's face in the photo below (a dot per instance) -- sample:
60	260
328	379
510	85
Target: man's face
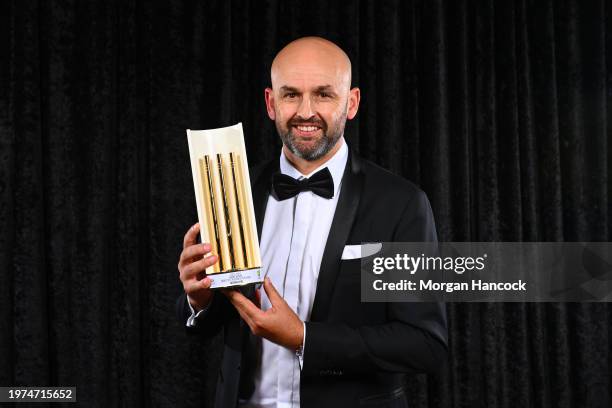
310	116
309	103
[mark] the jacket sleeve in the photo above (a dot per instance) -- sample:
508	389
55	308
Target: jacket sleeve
414	339
210	322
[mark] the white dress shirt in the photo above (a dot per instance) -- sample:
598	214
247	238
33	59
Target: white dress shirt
292	242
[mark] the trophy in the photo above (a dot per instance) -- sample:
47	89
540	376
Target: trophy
225	205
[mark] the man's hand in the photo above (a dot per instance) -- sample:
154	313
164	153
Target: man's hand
278	324
192	266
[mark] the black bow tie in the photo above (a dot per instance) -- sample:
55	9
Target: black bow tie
320	183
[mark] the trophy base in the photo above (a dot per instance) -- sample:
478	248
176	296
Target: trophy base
232	279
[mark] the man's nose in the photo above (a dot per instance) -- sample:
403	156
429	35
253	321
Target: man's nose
305	110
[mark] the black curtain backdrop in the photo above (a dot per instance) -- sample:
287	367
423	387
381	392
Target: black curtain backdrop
499	110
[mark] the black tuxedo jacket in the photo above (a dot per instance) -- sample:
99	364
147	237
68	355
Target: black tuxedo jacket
355	354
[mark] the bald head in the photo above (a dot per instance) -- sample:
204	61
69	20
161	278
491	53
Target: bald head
312	55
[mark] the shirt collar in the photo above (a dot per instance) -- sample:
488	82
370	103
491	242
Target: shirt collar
335	164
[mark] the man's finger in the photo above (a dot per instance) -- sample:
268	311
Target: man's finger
198	285
273	295
191	235
194	250
242	303
245	312
198	266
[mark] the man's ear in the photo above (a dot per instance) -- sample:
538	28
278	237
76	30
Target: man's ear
270	103
353	103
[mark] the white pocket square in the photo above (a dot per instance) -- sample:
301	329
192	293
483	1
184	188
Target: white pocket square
360	251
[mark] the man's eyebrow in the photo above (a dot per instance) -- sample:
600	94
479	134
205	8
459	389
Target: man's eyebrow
286	88
324	88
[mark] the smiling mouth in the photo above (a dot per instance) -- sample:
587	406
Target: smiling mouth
306	130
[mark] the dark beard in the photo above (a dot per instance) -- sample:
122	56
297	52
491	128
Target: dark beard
323	145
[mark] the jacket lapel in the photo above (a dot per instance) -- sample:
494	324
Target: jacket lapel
344	217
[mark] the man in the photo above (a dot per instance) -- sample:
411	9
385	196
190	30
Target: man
304	338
